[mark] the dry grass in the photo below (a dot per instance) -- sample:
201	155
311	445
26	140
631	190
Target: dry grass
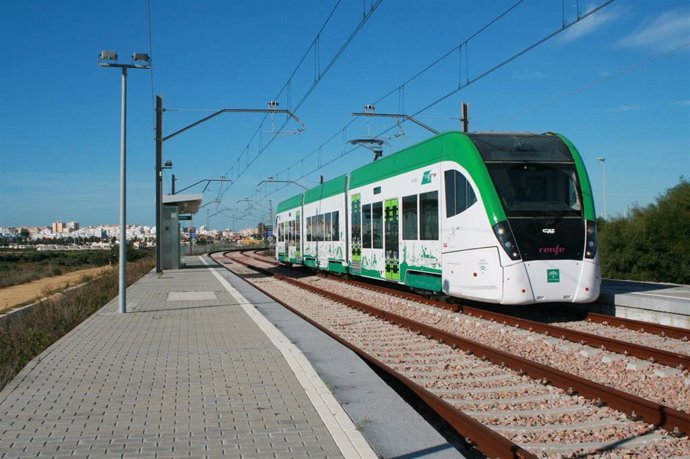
24	338
18	295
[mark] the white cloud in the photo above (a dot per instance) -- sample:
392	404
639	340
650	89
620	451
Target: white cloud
624	108
590	24
685	103
663	32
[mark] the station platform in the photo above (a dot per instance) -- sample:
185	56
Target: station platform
204	365
667	304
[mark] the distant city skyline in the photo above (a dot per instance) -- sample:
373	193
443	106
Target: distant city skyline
616	84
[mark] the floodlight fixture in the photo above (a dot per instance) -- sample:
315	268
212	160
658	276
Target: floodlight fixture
141	57
168	165
369	108
273	104
108	56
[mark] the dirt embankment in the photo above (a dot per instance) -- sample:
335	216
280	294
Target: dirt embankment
25	293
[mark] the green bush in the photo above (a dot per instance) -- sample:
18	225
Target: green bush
652	243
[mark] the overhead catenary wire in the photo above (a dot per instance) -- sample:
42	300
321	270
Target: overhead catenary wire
287	85
599	81
322	73
469	82
401	88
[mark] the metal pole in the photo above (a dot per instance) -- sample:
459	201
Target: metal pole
159	178
123	196
270	215
272	223
603	175
465	118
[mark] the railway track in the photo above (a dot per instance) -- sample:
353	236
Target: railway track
540	408
672	348
618	364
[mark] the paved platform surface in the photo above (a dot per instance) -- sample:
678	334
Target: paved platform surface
193	370
185	372
667	304
390	425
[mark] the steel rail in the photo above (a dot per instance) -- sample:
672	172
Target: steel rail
673	359
657	329
476	434
651	412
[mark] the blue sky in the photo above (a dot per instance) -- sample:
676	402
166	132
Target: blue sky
617	84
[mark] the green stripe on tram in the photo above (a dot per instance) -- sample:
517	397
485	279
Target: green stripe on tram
450	146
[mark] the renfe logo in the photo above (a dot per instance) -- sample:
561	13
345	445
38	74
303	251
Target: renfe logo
552	250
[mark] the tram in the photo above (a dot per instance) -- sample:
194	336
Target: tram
503	218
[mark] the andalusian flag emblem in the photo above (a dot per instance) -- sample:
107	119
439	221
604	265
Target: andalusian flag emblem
553	275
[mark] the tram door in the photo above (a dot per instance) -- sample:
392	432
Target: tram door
392	244
356	237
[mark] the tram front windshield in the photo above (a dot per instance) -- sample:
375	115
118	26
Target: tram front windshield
537	189
534	175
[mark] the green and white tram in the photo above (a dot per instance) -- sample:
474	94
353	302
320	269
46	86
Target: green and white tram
502	218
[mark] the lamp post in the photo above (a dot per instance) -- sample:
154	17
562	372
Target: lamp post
603	175
141	61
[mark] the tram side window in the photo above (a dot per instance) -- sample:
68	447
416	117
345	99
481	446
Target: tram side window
298	231
366	226
459	193
428	216
377	224
409	215
335	229
292	231
327	227
308	229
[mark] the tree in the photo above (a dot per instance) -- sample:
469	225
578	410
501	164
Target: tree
652	243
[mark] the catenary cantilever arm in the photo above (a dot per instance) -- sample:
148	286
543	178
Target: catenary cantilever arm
236	110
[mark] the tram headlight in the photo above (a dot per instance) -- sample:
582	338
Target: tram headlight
507	240
591	241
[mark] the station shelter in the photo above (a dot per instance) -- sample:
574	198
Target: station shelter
176	208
